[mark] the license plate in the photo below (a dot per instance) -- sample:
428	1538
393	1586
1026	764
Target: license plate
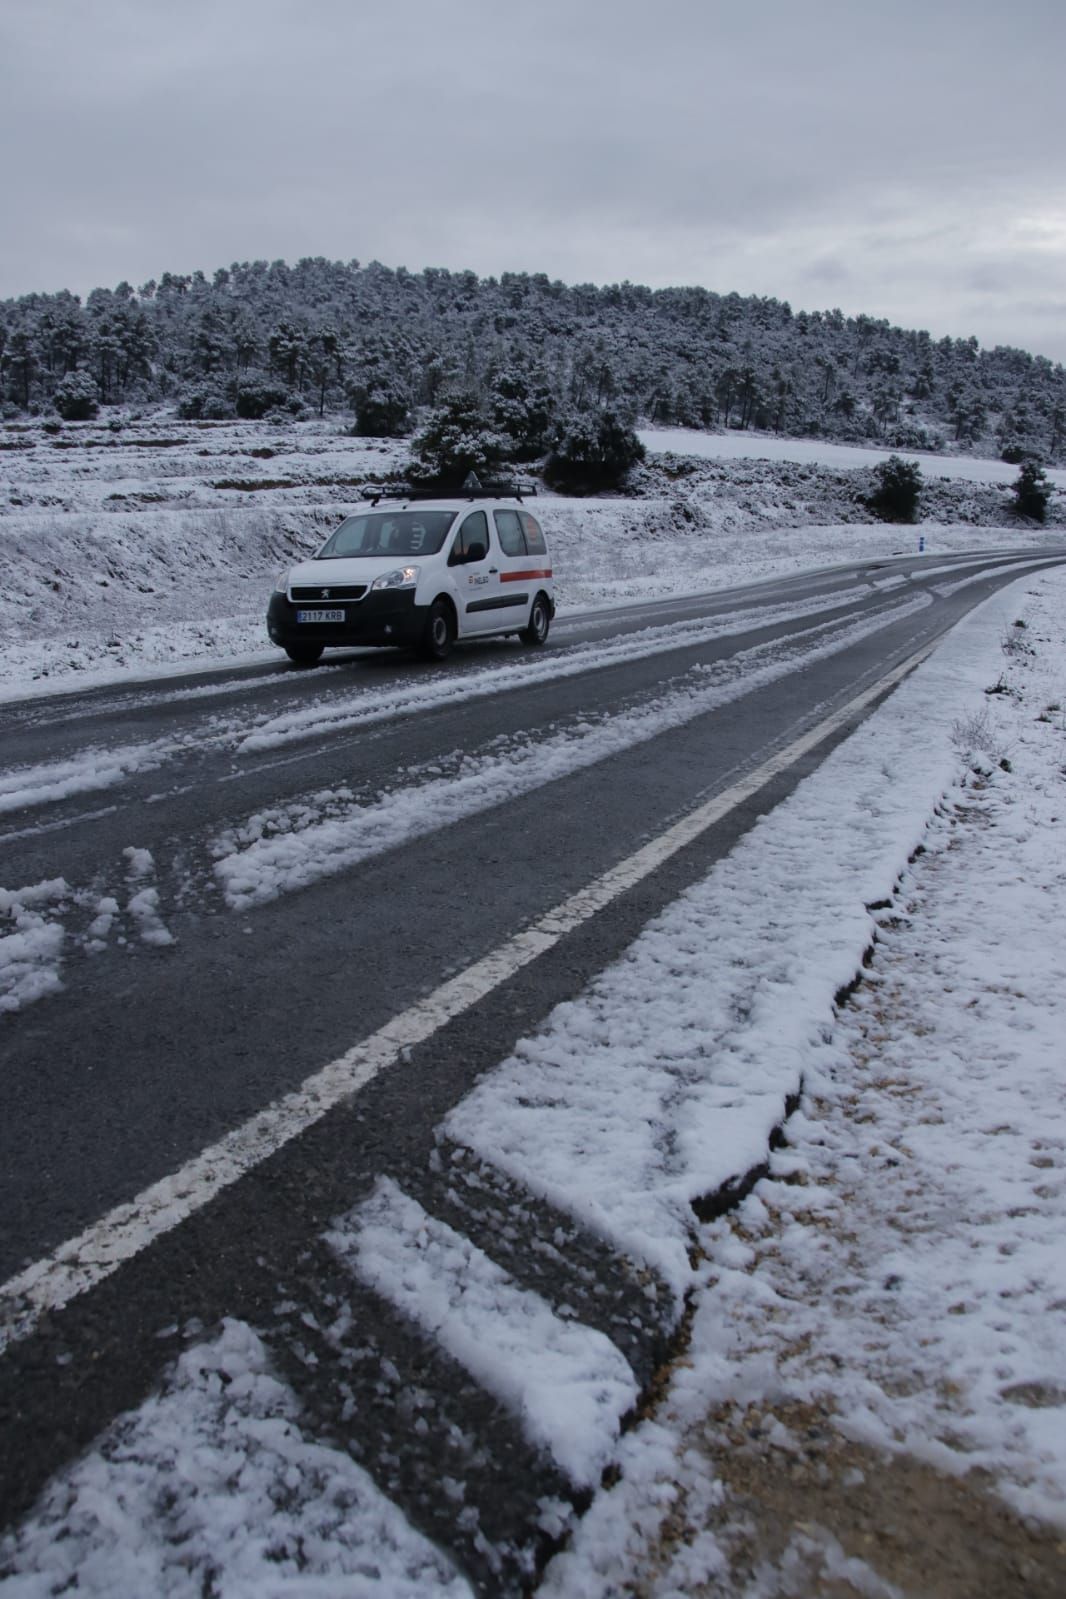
320	616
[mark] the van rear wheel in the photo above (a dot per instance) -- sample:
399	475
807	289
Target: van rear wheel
536	631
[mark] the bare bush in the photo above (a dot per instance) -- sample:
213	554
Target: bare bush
975	736
1014	643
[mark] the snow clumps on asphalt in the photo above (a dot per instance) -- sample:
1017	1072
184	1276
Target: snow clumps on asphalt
210	1487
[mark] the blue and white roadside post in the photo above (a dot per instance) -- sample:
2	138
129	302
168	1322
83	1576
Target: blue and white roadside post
921	543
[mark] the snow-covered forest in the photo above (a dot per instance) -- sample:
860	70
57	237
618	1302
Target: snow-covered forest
260	339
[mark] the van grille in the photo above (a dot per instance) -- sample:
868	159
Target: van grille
330	591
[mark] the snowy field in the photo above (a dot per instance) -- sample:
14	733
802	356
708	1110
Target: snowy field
877	1330
744	446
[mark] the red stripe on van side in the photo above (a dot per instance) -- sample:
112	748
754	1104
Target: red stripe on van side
524	577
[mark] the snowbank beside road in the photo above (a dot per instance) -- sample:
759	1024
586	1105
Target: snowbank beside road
889	1303
663	1083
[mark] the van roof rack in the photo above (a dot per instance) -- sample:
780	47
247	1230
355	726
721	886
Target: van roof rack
472	488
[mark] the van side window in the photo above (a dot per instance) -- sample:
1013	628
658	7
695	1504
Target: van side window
475	530
509	529
534	536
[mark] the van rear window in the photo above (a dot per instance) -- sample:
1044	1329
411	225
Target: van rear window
534	537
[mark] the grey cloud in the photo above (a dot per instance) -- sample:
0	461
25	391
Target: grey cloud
773	148
826	273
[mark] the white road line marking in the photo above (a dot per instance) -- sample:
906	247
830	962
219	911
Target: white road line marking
566	1383
82	1262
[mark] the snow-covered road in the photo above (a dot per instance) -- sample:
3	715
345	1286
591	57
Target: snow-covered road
288	845
390	1345
738	1022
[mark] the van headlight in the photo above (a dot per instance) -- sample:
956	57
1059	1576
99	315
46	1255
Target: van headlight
404	577
281	584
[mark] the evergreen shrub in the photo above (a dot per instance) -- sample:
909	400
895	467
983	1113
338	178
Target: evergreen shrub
76	397
1031	491
381	410
899	487
592	450
259	394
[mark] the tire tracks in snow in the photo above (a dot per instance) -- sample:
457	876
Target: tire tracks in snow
267	854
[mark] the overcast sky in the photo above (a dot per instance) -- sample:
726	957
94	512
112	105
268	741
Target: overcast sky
902	159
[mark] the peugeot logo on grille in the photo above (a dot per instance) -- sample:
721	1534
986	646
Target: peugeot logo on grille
325	594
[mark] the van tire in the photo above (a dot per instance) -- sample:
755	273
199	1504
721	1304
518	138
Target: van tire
536	631
304	654
439	633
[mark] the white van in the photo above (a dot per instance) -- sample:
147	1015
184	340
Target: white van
421	572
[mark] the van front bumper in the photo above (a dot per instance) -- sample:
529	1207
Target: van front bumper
389	617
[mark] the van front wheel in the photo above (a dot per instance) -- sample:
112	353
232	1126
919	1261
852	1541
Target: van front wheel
439	635
304	654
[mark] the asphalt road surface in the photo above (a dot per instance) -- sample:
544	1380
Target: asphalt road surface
420	820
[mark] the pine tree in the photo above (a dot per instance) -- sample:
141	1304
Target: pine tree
1031	491
457	439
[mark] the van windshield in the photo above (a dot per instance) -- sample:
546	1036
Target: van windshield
387	533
